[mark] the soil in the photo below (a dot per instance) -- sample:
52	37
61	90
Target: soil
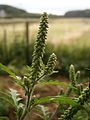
40	91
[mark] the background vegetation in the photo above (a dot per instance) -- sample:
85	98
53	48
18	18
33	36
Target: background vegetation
68	38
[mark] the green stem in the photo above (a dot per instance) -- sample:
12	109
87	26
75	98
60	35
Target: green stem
30	93
28	103
25	111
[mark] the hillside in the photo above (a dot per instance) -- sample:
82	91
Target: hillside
78	13
7	11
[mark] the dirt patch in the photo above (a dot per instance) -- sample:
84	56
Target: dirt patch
40	91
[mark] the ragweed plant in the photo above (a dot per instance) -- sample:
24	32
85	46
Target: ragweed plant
36	74
81	95
72	110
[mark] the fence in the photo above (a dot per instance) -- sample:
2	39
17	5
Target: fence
20	29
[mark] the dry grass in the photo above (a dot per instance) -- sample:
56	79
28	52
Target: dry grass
64	30
60	30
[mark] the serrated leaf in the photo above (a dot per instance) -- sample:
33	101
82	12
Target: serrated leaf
16	98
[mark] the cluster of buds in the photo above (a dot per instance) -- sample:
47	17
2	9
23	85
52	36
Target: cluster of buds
84	96
74	78
72	110
50	64
72	75
39	48
77	76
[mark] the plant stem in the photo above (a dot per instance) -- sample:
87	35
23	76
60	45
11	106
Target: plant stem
28	105
25	111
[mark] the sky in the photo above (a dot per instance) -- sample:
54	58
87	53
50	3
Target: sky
58	7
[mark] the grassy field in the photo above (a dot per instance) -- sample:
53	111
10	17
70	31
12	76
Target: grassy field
68	38
60	30
67	30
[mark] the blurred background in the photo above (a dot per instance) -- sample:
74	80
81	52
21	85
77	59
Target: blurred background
68	35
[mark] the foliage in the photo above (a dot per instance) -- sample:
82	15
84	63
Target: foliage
68	102
78	13
77	54
6	103
66	54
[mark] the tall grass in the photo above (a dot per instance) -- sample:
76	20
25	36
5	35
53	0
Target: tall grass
67	54
75	50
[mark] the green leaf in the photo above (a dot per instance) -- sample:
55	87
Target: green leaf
7	100
16	98
17	78
74	89
51	82
42	112
4	95
7	70
56	99
3	118
81	115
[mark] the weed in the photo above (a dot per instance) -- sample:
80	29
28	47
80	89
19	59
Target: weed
69	102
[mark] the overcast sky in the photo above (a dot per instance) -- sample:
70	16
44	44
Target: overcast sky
50	6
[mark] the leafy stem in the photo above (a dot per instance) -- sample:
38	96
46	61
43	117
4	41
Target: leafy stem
28	105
